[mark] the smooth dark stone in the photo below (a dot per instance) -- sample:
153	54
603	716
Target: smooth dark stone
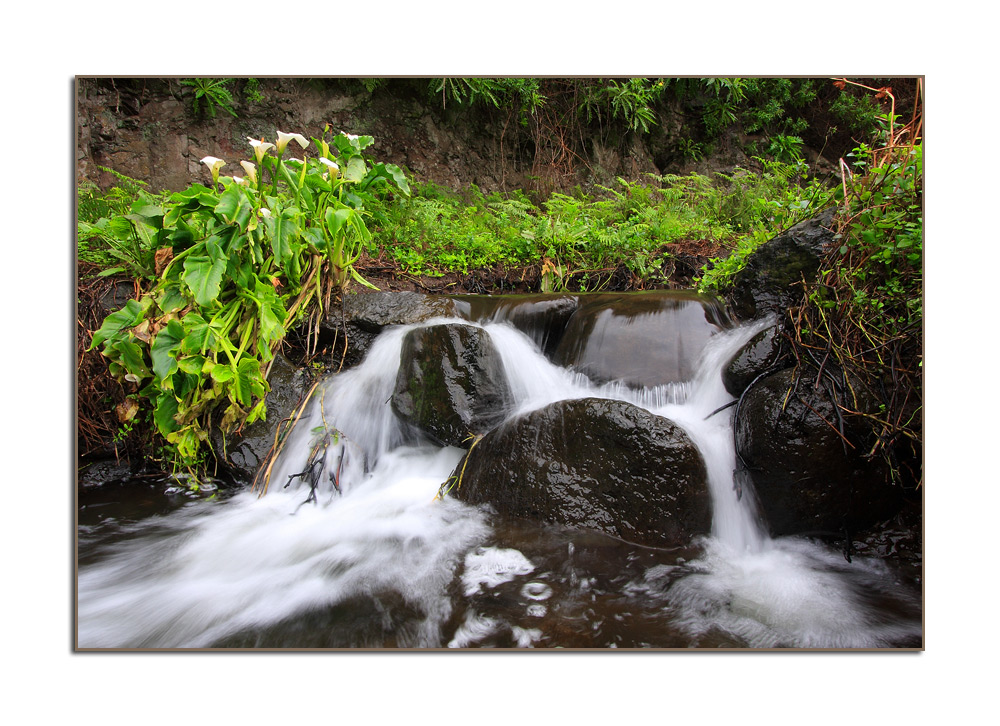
593	463
807	479
760	353
451	383
771	281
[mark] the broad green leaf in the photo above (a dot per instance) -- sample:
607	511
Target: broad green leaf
283	233
229	202
222	373
389	171
204	276
131	358
117	322
336	219
247	380
356	169
198	334
235	207
166	342
163	414
191	364
171	298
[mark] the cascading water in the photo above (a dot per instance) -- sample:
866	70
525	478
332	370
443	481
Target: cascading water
356	549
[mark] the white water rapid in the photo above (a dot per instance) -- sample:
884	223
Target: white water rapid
383	562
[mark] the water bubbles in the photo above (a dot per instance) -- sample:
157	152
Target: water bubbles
492	566
536	591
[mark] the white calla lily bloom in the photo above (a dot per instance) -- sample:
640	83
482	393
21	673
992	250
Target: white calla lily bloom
265	212
259	148
213	163
251	171
240	180
284	138
331	165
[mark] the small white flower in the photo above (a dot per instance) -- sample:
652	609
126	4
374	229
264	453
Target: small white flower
332	166
351	137
240	180
293	160
284	138
265	212
251	170
213	163
259	148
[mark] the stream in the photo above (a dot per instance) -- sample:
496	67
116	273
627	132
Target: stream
375	557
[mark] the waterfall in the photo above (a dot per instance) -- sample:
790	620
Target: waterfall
366	554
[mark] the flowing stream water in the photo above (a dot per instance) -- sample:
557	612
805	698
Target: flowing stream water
386	562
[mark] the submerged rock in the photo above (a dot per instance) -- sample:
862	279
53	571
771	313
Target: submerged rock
599	464
771	281
451	383
807	478
641	339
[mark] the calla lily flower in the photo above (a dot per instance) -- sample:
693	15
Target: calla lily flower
251	171
284	138
214	164
265	212
260	148
240	180
331	165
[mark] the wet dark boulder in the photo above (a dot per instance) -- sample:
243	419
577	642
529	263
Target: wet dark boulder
771	281
240	455
808	480
593	463
759	354
363	316
451	382
641	339
375	311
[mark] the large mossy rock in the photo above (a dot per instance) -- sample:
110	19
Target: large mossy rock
806	478
451	383
641	339
600	464
771	281
242	454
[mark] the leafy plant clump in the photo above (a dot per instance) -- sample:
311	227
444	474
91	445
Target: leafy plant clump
237	264
864	314
580	241
209	94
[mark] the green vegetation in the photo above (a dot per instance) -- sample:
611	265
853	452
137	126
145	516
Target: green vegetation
581	240
213	93
237	265
227	270
865	312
